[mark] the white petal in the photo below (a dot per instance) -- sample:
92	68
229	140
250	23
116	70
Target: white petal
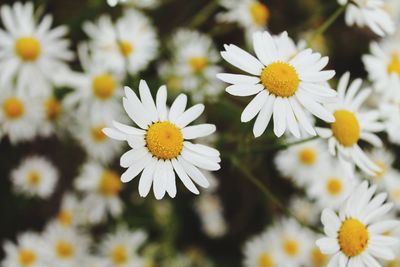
194	173
238	78
264	117
135	169
279	117
189	115
177	108
184	177
196	131
161	102
147	100
244	89
200	161
146	179
254	107
328	245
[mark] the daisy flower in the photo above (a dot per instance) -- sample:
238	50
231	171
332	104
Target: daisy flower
391	117
368	13
129	45
35	177
357	236
26	253
384	159
31	50
210	211
284	85
392	186
303	162
316	258
352	125
101	187
121	248
260	252
162	146
71	212
305	210
53	110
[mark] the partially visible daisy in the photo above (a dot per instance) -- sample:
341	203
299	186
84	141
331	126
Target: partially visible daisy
357	236
384	159
392	187
391	117
101	187
35	176
161	146
71	212
285	85
316	258
352	125
305	210
129	45
260	252
392	7
28	251
210	210
30	50
53	114
370	13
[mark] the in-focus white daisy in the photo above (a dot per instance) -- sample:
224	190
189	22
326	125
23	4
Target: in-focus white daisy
370	13
352	125
162	146
384	159
121	248
285	85
127	46
20	116
64	246
31	50
71	212
260	251
101	187
304	162
305	210
28	251
35	177
210	210
357	236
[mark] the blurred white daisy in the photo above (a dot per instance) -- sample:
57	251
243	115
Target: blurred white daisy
352	125
357	236
53	110
384	159
285	85
392	7
304	162
64	246
370	13
71	212
305	210
260	252
392	187
391	118
159	147
101	187
210	210
127	46
28	251
316	258
121	248
31	50
35	177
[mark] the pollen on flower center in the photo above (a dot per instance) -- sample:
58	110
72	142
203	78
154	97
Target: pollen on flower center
259	13
126	48
97	134
110	184
164	140
394	65
13	108
265	260
119	255
291	247
28	48
280	79
27	257
346	128
65	217
353	237
198	63
104	86
33	178
64	249
307	156
53	108
334	186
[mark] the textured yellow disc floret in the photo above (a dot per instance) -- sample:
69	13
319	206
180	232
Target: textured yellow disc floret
164	140
126	48
317	258
346	128
198	63
33	178
265	260
64	249
353	237
280	79
65	217
119	255
28	48
394	65
13	108
53	108
259	13
27	257
97	134
104	86
334	186
291	247
307	156
110	184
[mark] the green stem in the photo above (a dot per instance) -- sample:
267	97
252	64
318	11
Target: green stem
204	14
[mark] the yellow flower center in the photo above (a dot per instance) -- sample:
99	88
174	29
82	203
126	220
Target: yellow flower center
394	263
97	134
164	140
394	65
174	83
27	257
334	186
104	86
53	108
64	249
28	48
265	260
110	184
126	48
65	217
307	156
259	13
353	237
346	128
198	63
33	178
119	255
291	247
317	258
13	108
280	79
